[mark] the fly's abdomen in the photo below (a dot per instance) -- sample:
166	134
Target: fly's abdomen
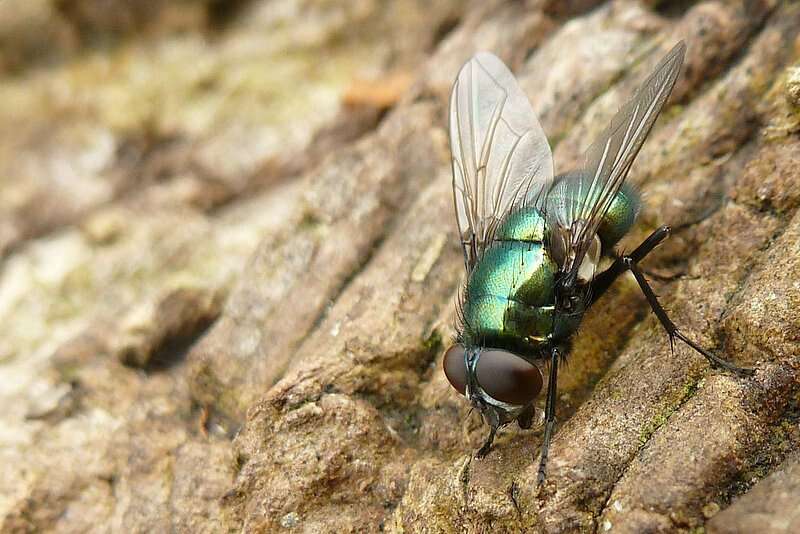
509	296
620	217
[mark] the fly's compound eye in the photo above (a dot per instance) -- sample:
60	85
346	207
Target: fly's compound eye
507	377
455	369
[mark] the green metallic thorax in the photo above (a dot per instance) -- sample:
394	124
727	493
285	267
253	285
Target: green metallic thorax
510	301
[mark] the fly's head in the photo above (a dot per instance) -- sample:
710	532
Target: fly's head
499	384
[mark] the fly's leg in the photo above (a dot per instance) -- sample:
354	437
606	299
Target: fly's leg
525	418
670	327
629	262
484	450
550	414
603	281
652	275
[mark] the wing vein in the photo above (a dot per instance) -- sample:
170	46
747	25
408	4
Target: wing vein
586	196
498	150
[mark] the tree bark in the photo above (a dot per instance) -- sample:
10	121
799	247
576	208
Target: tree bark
225	295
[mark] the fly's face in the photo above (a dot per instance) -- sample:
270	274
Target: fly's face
499	384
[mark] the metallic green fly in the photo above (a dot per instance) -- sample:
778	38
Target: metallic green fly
533	241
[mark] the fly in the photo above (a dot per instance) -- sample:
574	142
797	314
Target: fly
533	241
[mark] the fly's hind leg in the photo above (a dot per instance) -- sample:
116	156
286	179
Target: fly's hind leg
673	330
630	262
603	281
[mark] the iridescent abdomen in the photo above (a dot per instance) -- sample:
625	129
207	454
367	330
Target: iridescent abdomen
509	298
620	217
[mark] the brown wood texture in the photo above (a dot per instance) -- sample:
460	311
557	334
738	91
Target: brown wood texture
229	270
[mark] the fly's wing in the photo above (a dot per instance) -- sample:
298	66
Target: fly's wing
576	205
500	154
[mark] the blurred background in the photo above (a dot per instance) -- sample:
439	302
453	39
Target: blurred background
228	267
146	147
202	100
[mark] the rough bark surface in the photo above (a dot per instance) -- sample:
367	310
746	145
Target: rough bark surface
229	268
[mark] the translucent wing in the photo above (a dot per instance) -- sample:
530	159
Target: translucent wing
500	153
575	205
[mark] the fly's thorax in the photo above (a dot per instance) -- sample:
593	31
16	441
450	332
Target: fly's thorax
525	224
515	270
507	324
509	298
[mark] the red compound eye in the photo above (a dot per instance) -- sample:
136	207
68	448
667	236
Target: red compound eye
507	377
455	369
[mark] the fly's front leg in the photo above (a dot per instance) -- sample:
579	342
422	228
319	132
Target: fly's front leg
550	414
484	450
